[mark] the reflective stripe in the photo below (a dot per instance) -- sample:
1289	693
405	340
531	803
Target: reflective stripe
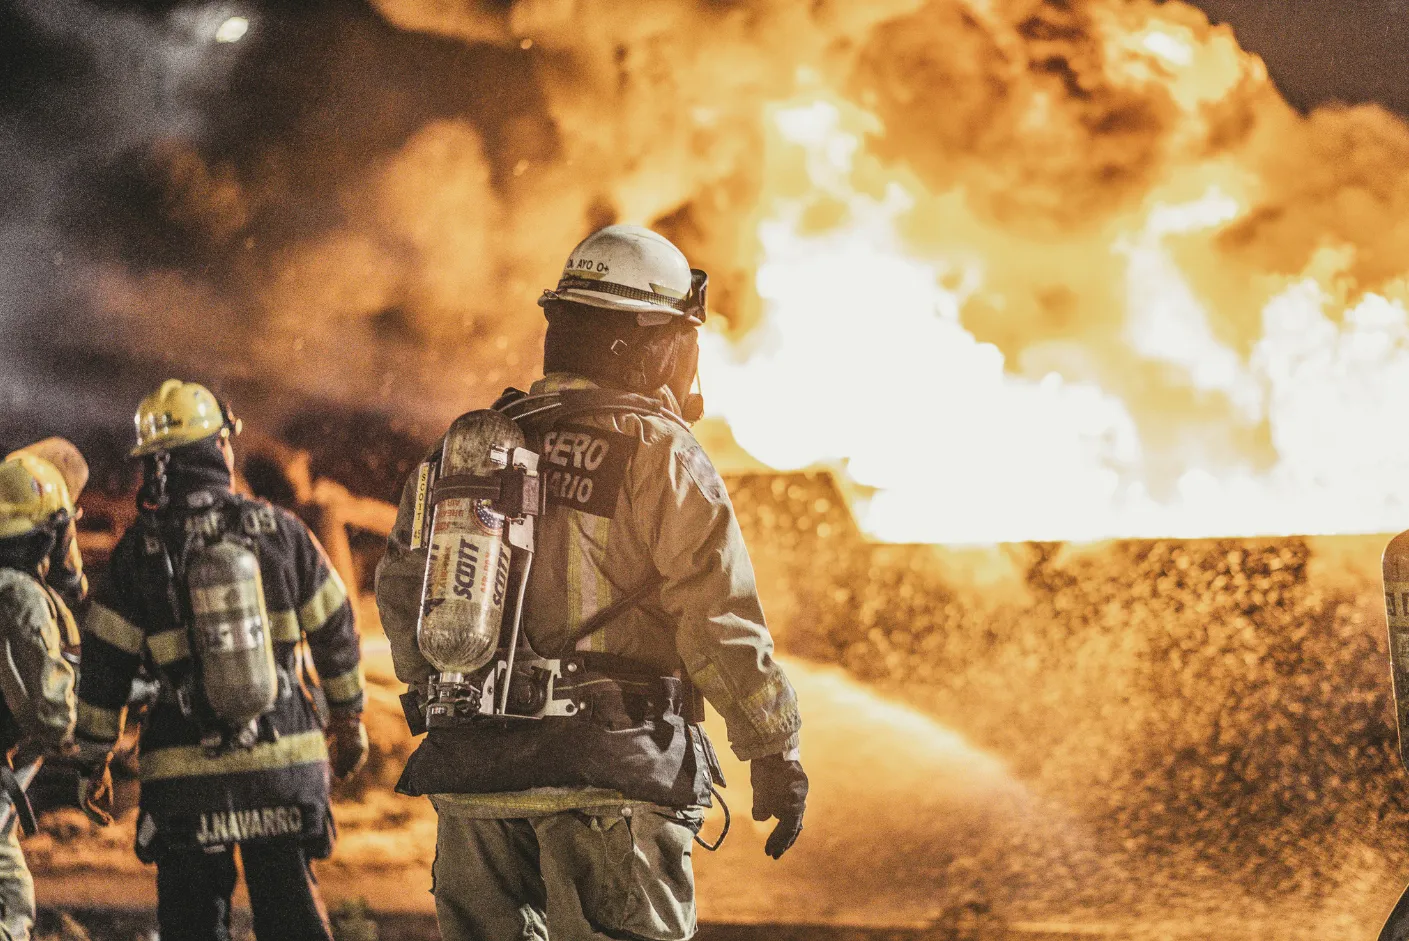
189	761
316	611
593	588
107	625
346	687
168	647
283	627
98	724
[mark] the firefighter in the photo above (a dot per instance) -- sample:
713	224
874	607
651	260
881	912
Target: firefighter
36	513
65	573
640	596
217	596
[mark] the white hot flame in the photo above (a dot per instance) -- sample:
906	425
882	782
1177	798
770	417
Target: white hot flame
863	363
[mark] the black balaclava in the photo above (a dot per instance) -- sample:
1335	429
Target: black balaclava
191	467
611	348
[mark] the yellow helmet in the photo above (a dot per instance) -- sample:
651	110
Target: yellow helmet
180	413
32	495
62	454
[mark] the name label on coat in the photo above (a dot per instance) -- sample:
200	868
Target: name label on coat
233	826
586	467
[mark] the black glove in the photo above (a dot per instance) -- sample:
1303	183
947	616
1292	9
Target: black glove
779	790
347	745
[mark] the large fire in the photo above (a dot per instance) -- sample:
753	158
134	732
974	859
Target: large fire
864	359
1024	269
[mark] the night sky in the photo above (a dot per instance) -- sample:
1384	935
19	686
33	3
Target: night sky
1326	50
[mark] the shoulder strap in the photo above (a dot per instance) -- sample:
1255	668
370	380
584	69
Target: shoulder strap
610	613
508	397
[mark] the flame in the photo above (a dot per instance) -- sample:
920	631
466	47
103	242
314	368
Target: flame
865	359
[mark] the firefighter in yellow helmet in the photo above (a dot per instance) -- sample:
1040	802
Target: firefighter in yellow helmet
640	597
215	593
36	511
66	563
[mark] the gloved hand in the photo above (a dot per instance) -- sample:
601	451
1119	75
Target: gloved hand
347	745
779	790
95	794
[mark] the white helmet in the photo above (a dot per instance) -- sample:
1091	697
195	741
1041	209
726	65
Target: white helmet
630	268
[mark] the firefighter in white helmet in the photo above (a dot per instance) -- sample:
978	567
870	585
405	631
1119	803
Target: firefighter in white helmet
639	604
216	593
36	514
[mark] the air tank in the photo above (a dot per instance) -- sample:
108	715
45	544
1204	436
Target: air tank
230	625
467	567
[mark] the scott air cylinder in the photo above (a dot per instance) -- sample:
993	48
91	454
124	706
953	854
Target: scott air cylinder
467	567
231	631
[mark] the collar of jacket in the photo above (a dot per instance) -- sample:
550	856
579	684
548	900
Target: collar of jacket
561	381
186	485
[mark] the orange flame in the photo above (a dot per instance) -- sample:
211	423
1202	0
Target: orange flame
865	359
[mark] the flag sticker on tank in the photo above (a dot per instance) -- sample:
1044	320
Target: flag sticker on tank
586	467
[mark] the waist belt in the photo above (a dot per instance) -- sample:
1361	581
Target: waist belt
611	689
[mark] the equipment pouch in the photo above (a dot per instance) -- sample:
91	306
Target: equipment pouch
411	707
716	771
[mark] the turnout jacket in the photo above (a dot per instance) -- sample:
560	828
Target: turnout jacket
278	787
36	681
655	513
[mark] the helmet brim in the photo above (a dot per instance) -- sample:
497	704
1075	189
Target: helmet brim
663	314
170	444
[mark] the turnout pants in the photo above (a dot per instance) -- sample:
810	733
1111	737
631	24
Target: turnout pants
194	889
568	876
16	890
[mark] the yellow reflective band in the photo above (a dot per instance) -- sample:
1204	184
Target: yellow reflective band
190	761
106	624
346	687
98	724
169	646
317	610
283	627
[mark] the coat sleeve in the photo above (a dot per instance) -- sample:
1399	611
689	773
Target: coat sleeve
112	653
399	576
683	513
38	674
327	620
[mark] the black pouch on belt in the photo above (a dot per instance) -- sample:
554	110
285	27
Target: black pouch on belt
414	710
